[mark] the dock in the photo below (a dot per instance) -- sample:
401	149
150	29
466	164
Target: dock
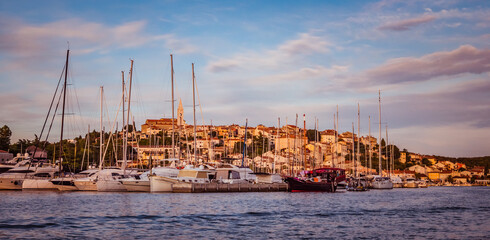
182	187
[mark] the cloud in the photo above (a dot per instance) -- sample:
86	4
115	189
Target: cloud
465	59
306	44
20	39
406	24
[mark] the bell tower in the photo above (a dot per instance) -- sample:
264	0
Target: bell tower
180	114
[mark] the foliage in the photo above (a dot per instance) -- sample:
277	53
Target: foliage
310	134
5	135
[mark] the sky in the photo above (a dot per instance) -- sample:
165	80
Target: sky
256	60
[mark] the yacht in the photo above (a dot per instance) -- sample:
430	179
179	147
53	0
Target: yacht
137	183
397	182
4	167
410	183
88	183
228	173
382	183
189	174
66	182
109	180
14	178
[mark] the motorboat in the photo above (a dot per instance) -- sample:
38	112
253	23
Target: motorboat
109	180
410	183
66	182
382	183
164	181
14	178
397	182
137	183
318	180
4	167
228	173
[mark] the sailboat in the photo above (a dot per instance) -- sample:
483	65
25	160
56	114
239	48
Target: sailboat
316	180
44	183
109	179
380	182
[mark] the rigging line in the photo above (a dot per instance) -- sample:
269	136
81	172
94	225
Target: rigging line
50	126
200	108
49	112
112	129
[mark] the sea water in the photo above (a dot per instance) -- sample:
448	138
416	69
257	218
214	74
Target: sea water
435	213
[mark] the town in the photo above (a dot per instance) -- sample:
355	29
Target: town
288	149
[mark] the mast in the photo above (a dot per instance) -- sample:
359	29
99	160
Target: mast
370	153
379	150
287	146
101	139
304	137
358	134
387	152
129	108
295	139
353	151
125	147
245	142
173	112
63	113
277	145
334	145
194	109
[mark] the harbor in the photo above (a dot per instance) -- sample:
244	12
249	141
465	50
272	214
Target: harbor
435	212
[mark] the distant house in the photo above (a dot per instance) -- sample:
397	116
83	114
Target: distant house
5	156
403	157
477	171
418	169
36	152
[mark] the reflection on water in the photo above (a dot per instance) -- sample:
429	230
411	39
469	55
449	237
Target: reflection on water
440	212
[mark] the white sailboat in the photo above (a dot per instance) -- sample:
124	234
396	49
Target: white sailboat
380	182
109	180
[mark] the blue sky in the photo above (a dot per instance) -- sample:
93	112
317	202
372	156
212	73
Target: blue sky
258	60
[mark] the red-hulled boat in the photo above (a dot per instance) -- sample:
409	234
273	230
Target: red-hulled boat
318	180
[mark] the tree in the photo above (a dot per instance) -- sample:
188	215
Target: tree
5	135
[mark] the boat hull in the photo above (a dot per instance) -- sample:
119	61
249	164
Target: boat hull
382	184
161	184
38	184
137	186
298	185
64	185
88	185
110	186
410	185
11	184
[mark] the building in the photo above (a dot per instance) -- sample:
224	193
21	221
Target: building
5	156
154	126
403	157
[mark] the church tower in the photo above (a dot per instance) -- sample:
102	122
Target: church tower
180	115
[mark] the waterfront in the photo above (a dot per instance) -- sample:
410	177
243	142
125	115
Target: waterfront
437	212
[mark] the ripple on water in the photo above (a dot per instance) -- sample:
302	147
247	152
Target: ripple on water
440	213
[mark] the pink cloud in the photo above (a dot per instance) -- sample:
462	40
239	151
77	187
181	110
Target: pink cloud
465	59
406	24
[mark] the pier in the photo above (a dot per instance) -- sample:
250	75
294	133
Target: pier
182	187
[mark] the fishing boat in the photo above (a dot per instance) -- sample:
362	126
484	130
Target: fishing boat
318	180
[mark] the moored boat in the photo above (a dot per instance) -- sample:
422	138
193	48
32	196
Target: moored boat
318	180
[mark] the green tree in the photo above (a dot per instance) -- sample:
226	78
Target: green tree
5	135
450	179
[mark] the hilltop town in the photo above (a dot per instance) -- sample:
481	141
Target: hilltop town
289	148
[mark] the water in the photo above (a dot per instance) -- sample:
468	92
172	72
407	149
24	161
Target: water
437	213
